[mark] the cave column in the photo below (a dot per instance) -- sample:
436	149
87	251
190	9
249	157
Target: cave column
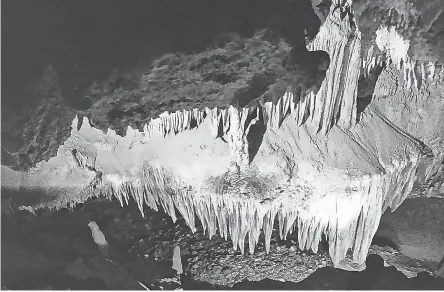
237	137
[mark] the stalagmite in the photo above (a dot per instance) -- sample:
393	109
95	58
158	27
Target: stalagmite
99	238
177	261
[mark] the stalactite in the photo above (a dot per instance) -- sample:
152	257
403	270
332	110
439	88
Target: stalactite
394	50
348	221
242	218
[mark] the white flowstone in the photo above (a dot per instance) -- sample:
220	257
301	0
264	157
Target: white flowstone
391	43
388	39
317	202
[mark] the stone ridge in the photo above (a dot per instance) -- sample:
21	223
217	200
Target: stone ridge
241	71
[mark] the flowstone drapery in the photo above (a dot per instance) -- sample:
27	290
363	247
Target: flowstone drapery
318	170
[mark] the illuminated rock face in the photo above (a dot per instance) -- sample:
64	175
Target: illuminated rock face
335	103
316	169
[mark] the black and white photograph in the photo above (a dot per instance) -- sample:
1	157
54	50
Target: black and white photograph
222	145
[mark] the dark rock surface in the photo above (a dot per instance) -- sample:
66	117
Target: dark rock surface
55	250
417	229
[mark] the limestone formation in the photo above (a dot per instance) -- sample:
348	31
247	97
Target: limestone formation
318	171
99	238
177	262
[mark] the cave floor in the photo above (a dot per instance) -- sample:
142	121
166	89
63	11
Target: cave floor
55	250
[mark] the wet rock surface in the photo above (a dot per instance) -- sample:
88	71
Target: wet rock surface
406	265
416	230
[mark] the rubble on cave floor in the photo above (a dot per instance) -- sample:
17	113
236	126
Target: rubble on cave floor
141	250
55	250
214	261
211	261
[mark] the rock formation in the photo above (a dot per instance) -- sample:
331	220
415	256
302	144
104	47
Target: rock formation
99	238
320	166
177	262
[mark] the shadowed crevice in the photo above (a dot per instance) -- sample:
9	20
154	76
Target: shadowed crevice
366	88
384	241
255	136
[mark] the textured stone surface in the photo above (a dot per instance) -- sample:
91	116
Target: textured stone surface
323	157
76	72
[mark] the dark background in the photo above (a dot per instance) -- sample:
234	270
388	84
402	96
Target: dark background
84	40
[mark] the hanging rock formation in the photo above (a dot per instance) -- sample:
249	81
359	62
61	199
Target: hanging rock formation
318	171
